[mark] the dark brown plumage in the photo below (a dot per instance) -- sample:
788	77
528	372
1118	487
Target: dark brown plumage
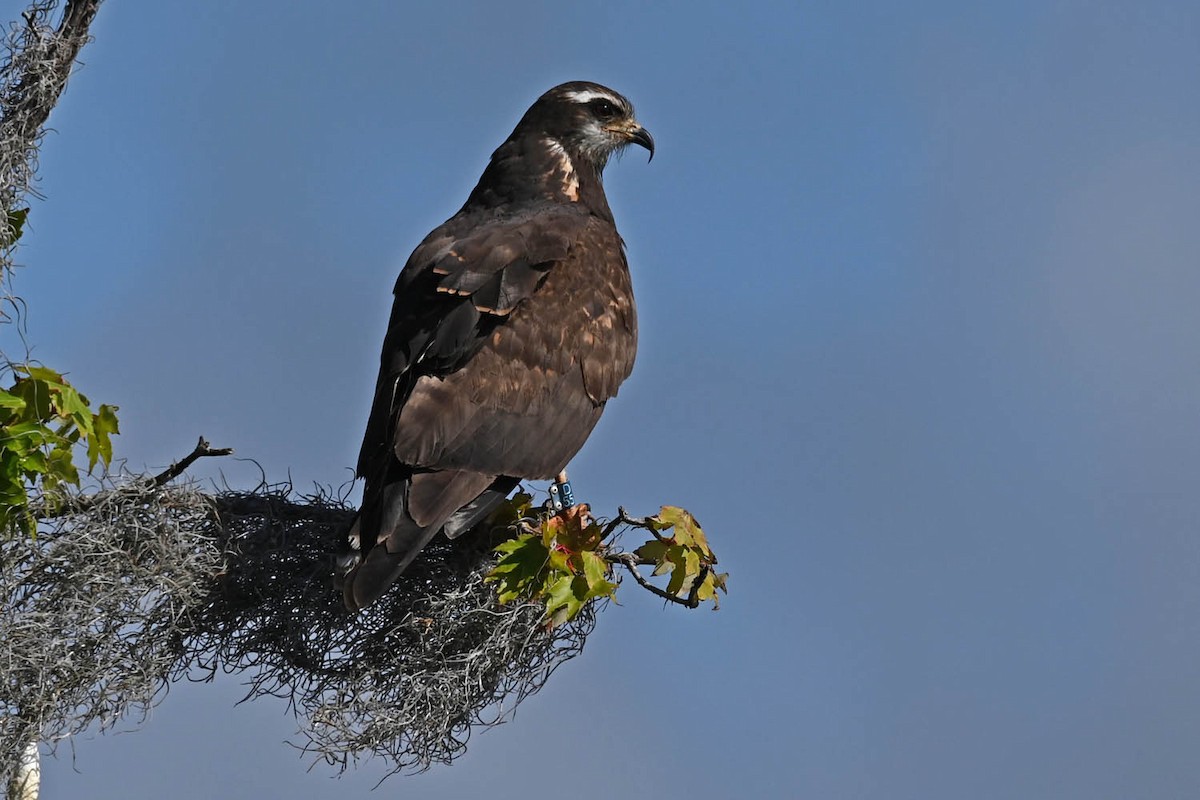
513	324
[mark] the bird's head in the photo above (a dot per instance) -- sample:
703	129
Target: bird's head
590	121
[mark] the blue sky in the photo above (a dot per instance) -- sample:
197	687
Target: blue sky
919	348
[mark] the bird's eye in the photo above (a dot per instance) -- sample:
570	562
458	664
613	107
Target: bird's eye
604	109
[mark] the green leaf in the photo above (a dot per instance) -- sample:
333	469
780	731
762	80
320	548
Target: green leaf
558	564
43	417
16	227
35	461
106	420
519	571
71	405
595	572
25	436
595	568
511	545
11	402
506	515
40	373
563	601
62	467
36	394
11	495
100	442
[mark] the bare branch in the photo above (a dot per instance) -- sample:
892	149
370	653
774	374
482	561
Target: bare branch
39	64
623	518
83	503
202	450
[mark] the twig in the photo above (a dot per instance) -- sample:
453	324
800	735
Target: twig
632	562
693	600
623	518
202	450
83	503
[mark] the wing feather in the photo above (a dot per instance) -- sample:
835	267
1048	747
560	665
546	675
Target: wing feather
526	401
506	340
459	283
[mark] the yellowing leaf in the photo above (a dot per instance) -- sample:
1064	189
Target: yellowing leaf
665	564
654	550
684	528
678	576
40	373
560	560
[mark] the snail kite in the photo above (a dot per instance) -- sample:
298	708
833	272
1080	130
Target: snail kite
513	324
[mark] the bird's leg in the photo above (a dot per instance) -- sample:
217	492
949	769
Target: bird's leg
561	495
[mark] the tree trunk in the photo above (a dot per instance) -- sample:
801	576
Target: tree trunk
28	776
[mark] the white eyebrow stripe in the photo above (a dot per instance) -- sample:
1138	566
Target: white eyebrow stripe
588	95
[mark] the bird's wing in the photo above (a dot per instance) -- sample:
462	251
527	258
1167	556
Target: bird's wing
463	280
507	337
528	397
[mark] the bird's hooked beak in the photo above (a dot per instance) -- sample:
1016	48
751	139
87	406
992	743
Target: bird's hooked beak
635	134
639	135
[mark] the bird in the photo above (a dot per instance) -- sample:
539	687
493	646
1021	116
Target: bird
513	324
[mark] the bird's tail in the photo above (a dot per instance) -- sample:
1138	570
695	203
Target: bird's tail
385	555
396	524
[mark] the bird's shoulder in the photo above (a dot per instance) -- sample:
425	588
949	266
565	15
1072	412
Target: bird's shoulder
495	257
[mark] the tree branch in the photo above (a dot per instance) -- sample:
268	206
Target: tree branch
202	450
28	776
623	518
32	81
631	562
82	503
